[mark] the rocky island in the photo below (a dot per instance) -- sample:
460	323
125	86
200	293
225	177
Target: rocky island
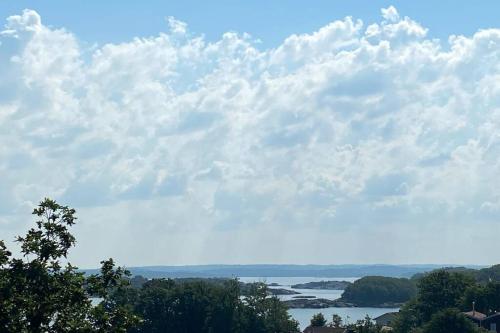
321	303
281	291
328	285
316	303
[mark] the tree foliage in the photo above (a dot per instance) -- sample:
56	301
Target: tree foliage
441	290
204	306
440	298
450	320
318	320
39	294
377	290
336	320
486	297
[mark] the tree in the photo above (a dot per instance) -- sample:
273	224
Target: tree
207	306
437	291
336	320
441	290
408	318
450	320
38	294
486	297
364	326
318	320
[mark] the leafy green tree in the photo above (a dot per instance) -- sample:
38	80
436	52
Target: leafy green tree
408	318
489	274
437	291
365	325
336	321
450	320
38	294
277	319
441	290
318	320
486	297
206	306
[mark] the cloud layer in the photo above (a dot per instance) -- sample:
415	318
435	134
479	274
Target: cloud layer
177	150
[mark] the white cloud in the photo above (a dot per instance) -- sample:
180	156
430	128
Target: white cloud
173	143
390	14
176	26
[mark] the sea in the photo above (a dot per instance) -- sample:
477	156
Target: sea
303	316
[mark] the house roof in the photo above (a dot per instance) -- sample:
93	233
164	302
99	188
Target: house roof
493	316
475	315
386	318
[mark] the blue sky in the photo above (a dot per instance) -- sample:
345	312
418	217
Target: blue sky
237	132
270	21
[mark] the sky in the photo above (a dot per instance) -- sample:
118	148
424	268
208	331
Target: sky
255	132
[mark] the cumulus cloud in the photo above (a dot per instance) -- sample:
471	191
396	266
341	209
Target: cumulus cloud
187	148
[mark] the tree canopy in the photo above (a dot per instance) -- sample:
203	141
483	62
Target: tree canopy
40	294
318	320
442	296
378	290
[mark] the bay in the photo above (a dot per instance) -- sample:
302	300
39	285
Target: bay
303	316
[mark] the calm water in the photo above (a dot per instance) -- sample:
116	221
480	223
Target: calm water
303	316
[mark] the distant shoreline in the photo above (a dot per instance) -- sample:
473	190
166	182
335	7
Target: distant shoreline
316	271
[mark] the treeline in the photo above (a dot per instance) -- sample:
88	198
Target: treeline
379	291
441	298
482	276
438	305
38	293
166	305
365	325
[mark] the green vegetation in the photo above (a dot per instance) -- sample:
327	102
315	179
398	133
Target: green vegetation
490	274
329	285
486	297
436	307
336	320
379	291
41	292
38	294
482	276
199	305
361	326
449	320
318	320
442	296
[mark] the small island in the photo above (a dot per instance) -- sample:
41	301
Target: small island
281	291
316	303
325	285
379	291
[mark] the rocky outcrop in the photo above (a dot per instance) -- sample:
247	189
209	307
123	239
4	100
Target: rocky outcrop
328	285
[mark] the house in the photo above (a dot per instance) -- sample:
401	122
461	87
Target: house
386	319
492	323
324	329
475	316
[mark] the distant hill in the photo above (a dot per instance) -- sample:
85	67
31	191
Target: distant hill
337	271
481	275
